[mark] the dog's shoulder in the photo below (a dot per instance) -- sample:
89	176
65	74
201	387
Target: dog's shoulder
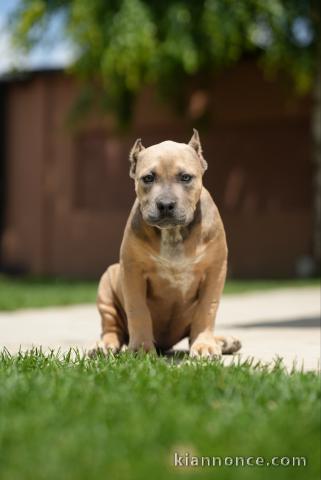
137	236
207	217
136	224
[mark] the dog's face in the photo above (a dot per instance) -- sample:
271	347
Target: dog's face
168	180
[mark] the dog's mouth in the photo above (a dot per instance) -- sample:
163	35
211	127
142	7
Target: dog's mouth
165	222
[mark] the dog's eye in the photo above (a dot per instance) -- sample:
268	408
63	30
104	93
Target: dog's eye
148	178
185	177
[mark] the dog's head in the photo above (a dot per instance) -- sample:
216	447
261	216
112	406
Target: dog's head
168	180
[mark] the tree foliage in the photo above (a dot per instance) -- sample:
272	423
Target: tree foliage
125	44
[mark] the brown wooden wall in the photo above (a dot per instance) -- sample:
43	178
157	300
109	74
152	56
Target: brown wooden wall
69	193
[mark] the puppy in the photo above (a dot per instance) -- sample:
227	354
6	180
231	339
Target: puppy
173	258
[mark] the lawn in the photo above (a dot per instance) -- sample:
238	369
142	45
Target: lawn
33	292
124	417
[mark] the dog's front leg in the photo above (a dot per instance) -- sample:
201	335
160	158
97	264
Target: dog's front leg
140	327
202	340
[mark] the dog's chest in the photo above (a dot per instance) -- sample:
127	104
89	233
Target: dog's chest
172	264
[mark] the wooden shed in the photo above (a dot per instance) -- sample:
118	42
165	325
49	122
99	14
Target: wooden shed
66	193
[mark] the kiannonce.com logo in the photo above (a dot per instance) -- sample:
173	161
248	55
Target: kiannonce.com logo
188	460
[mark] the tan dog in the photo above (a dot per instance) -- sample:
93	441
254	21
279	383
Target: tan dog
172	259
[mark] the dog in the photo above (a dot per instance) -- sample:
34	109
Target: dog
173	258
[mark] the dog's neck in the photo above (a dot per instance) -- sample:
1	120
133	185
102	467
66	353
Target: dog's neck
172	242
172	235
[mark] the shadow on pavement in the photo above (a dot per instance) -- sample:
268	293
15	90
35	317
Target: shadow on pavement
304	322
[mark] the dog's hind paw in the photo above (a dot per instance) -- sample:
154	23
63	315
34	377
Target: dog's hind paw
229	344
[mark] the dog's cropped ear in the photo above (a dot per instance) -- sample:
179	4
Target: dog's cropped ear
195	143
138	147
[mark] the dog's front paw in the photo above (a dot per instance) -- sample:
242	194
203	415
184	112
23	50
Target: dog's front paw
206	349
96	350
100	348
136	345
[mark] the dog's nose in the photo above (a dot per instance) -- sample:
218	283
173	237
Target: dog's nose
165	207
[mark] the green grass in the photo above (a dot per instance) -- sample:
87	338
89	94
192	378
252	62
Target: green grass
124	417
33	292
30	292
246	286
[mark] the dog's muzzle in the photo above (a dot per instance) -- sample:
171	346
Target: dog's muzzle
165	214
165	208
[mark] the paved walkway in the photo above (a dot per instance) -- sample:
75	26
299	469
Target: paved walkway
281	323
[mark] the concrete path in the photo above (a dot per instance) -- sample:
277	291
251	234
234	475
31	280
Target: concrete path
282	323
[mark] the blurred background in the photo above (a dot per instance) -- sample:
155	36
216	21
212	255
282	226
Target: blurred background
80	81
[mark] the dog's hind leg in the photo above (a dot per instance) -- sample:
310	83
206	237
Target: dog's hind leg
228	344
114	332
